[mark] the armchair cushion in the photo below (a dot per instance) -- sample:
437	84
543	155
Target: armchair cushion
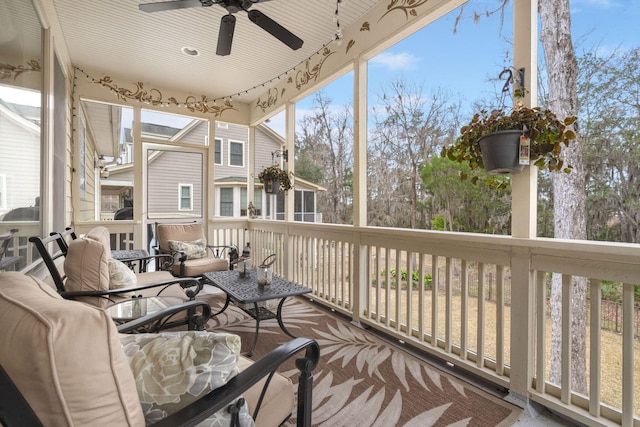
66	358
174	369
87	269
101	234
193	249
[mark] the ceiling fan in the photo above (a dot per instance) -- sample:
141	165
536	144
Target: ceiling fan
228	22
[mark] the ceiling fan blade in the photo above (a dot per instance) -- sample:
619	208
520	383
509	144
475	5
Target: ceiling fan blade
169	5
225	34
275	29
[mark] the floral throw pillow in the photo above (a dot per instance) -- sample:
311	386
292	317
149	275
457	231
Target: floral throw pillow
173	369
193	249
120	275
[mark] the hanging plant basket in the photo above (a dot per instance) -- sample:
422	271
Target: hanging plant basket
275	179
272	186
500	152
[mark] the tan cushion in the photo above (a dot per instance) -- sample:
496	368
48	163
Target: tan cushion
196	267
65	357
87	269
101	234
174	369
278	402
181	232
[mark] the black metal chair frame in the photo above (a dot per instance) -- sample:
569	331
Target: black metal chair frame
198	312
15	410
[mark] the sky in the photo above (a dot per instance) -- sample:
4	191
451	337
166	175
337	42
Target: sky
462	63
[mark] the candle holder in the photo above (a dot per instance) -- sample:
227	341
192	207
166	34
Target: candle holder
265	273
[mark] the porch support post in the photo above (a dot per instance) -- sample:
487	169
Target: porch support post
139	181
210	208
251	157
289	196
359	184
524	202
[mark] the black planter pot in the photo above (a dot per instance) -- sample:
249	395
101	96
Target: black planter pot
500	152
272	187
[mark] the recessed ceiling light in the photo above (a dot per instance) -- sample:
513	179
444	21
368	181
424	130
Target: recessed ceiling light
189	51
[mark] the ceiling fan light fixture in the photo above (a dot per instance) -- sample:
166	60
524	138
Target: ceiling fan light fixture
189	51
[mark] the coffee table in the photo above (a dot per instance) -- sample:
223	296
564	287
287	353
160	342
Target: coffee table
135	308
244	292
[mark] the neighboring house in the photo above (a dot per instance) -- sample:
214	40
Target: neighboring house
20	160
175	177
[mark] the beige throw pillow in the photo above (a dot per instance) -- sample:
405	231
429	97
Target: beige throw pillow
193	249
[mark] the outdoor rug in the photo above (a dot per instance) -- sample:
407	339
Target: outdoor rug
363	381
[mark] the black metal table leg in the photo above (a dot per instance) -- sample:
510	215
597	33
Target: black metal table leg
279	318
226	304
255	338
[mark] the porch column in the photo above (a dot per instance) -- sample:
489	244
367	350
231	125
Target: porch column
139	182
289	196
359	183
251	167
524	207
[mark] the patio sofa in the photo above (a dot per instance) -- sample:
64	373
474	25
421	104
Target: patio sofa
67	362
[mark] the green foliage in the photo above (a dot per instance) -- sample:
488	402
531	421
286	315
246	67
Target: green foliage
460	205
415	278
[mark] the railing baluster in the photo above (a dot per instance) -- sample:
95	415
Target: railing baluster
464	309
566	339
595	359
500	320
627	354
435	275
481	317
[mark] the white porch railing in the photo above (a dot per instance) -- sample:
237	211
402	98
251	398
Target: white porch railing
476	301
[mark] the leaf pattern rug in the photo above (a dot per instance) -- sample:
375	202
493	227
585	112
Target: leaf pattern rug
362	380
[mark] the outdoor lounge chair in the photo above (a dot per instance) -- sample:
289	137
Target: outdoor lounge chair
188	245
88	374
83	270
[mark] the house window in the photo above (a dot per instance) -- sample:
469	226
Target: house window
110	202
257	201
218	151
304	206
226	202
236	153
186	197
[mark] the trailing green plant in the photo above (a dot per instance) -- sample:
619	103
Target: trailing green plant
276	173
547	133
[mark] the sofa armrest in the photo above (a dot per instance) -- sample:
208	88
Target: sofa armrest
265	367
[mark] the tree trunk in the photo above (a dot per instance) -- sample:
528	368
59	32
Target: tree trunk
568	189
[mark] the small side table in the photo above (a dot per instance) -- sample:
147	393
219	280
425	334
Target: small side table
245	292
135	308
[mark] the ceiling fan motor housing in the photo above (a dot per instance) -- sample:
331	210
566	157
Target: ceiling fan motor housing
234	6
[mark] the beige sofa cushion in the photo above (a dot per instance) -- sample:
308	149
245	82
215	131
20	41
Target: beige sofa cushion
278	403
65	357
101	234
87	269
